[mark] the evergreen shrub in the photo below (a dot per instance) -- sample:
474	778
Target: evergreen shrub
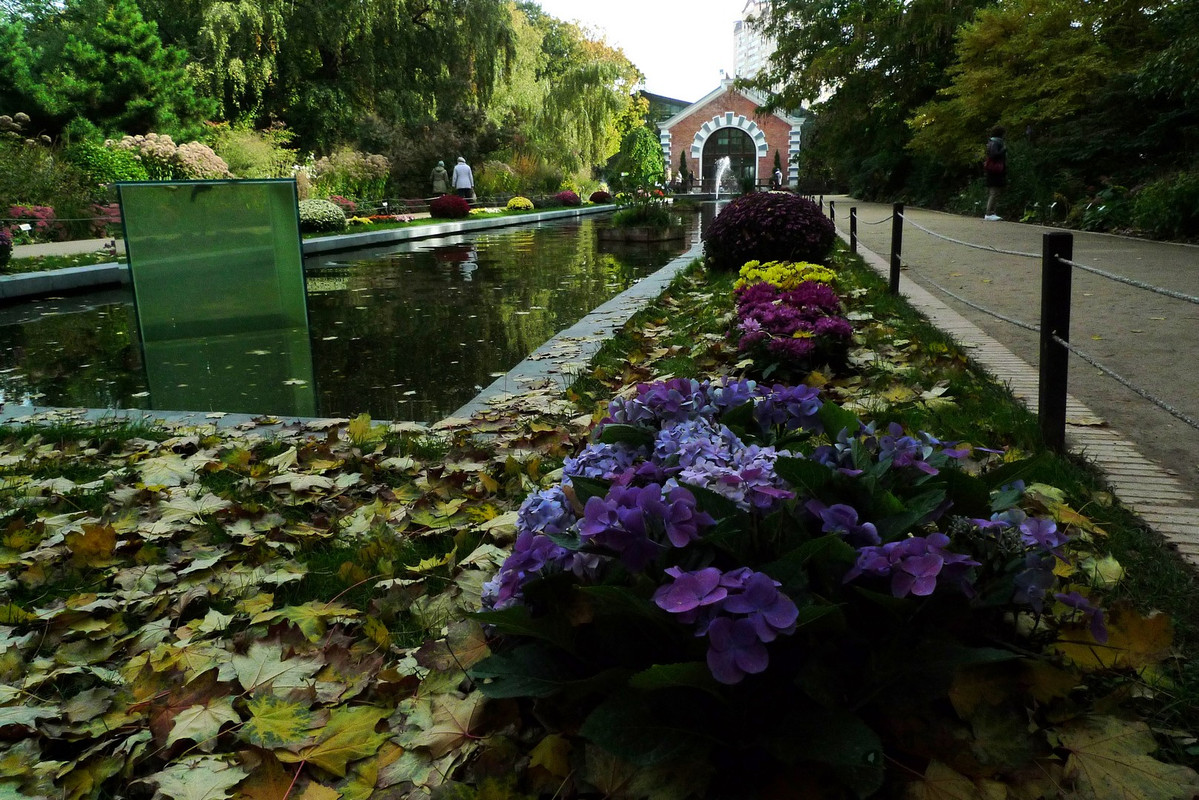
1169	208
101	165
768	226
600	197
550	201
449	206
568	198
321	216
519	203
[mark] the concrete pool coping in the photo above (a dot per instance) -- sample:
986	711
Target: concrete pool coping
95	276
558	360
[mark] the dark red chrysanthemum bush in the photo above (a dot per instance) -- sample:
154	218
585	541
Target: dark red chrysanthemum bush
568	198
600	196
768	226
449	206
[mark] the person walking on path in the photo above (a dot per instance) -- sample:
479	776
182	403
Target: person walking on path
463	180
441	179
995	169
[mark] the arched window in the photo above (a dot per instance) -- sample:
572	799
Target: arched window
739	147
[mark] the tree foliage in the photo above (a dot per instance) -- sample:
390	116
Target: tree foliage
103	61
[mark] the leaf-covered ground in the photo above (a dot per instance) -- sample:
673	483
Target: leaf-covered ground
204	613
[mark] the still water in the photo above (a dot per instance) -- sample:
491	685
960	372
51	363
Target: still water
406	332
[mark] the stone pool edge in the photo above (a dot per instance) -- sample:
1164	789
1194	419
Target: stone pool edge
95	276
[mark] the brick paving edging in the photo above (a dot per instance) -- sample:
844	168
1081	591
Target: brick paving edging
1143	486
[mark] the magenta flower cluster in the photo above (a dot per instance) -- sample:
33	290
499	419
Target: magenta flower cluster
42	219
790	326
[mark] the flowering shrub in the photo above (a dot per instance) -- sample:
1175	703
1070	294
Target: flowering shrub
449	206
41	219
5	247
321	216
519	203
568	198
104	216
351	173
391	218
791	328
732	573
768	226
642	208
164	160
783	274
344	203
600	196
358	221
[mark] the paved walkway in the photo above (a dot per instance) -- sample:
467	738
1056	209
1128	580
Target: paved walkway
1151	458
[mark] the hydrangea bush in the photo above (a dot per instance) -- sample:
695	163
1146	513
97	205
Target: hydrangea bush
519	203
768	226
732	573
449	206
321	216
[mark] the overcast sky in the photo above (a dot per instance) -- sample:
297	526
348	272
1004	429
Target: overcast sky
680	45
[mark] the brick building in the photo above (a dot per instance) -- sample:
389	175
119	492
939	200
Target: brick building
725	123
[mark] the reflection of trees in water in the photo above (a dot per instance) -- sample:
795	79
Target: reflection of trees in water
89	358
440	333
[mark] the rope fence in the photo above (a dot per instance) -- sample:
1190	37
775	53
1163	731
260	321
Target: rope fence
1054	328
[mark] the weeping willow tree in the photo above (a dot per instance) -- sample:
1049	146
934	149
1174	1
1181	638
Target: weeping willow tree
321	66
569	96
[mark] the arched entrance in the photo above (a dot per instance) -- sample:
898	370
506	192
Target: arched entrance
742	151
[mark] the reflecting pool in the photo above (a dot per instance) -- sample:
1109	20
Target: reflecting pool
407	332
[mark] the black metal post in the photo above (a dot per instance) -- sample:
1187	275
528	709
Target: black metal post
832	212
821	204
853	229
896	244
1055	321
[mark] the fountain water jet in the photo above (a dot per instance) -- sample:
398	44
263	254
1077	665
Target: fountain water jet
722	166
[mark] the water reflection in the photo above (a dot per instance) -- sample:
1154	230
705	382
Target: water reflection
401	332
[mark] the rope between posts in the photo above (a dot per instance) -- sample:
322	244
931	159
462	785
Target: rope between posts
1131	282
986	247
880	222
1164	406
32	221
959	298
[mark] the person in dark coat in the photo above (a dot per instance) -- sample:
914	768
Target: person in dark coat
440	178
995	171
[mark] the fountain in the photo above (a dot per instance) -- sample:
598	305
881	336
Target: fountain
722	167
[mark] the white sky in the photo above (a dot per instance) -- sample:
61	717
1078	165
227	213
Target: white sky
680	45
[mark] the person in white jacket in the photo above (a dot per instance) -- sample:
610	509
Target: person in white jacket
463	180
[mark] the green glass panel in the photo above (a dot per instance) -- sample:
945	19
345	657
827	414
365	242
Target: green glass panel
239	372
214	258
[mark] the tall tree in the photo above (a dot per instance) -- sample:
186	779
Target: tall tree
102	61
881	59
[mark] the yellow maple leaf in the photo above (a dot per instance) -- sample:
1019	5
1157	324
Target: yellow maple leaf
1134	640
1109	760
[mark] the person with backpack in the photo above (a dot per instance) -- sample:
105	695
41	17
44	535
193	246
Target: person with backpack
995	171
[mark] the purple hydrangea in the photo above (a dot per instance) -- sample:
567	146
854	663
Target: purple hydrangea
531	553
1089	611
546	511
734	650
843	519
914	565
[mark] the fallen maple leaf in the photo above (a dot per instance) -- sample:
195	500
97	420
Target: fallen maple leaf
1109	759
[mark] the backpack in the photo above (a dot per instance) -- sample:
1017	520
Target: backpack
996	161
